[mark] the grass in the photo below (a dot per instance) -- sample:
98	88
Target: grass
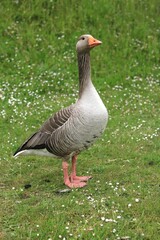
38	76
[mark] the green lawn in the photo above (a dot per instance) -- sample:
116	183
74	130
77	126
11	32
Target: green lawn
38	76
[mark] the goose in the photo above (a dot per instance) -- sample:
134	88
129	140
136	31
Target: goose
75	128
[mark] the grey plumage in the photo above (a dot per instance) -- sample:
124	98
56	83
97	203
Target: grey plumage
75	128
44	137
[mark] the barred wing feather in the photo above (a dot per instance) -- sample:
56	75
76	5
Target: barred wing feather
38	139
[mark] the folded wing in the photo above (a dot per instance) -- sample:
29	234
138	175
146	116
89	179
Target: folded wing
38	139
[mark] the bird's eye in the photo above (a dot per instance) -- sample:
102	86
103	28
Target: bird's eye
83	38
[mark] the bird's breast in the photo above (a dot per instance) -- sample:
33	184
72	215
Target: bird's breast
89	122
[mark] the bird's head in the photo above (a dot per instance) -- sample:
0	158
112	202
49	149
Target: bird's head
86	42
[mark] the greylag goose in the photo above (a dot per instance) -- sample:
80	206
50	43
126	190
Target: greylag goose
74	128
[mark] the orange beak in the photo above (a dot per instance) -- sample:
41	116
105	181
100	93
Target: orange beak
93	42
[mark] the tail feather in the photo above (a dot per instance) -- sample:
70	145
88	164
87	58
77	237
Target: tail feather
36	141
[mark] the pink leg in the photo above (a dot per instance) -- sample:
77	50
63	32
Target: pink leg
74	177
67	180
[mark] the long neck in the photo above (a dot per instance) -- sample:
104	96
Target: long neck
84	71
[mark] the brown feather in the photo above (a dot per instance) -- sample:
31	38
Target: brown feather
38	139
